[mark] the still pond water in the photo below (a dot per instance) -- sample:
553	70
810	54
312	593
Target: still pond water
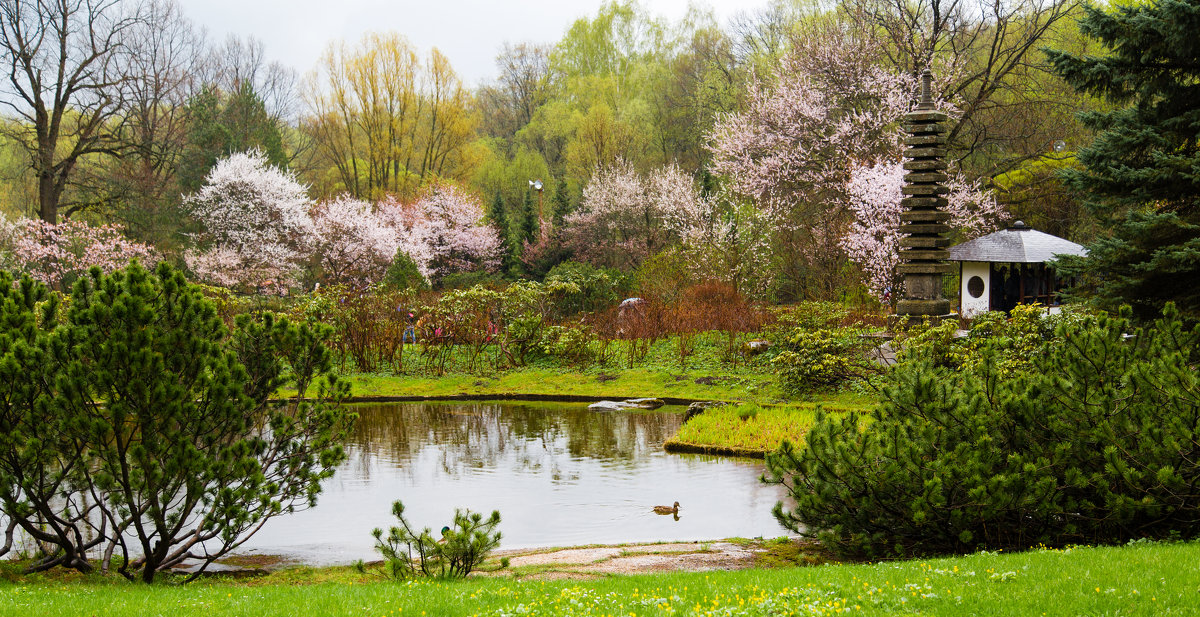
559	474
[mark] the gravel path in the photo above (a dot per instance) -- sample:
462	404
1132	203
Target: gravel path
628	559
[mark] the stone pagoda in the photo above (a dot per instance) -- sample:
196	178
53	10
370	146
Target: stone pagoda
923	242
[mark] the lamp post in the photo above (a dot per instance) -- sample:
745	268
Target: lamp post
537	186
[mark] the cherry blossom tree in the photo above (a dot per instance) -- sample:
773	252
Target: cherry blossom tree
351	242
625	217
445	231
255	219
827	106
58	254
732	244
817	149
872	239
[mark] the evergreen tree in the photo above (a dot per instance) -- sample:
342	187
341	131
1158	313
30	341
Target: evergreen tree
529	221
562	206
1139	174
499	217
220	124
139	422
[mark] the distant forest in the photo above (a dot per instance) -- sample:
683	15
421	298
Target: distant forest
763	152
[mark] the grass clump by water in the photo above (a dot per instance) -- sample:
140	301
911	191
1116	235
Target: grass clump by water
750	429
1141	579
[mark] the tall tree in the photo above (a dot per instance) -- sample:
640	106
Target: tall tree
165	52
67	70
984	54
499	218
1139	173
384	122
224	123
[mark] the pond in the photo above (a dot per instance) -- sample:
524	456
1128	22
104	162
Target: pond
560	475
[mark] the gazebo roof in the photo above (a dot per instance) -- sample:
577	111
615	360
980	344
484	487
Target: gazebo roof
1017	244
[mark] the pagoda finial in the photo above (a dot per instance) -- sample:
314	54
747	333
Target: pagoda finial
926	90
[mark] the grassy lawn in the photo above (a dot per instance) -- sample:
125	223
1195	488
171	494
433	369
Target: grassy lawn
1142	579
612	383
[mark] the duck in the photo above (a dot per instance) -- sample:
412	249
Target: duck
667	509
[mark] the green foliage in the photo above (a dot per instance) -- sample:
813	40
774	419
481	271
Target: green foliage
599	289
1015	339
527	231
465	280
403	274
819	359
810	315
1139	173
664	277
1096	443
155	426
460	549
574	343
223	123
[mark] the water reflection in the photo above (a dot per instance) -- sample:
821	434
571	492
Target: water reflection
558	473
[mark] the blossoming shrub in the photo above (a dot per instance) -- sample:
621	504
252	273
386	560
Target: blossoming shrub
1098	442
59	254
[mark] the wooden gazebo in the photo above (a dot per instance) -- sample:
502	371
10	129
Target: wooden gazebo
1010	267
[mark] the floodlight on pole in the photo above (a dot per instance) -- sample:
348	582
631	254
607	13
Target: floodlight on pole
537	186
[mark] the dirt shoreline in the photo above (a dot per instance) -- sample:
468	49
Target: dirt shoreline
594	561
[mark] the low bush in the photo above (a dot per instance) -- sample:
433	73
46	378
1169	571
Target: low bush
1097	442
461	548
821	359
1016	338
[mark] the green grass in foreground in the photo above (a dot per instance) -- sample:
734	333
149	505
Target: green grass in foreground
751	429
1143	579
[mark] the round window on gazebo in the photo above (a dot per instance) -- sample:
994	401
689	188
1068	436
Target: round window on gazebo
975	287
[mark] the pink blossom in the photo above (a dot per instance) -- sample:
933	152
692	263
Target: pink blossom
873	196
444	231
56	254
626	217
351	242
255	220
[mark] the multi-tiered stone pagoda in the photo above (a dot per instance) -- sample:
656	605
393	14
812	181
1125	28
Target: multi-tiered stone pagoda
923	243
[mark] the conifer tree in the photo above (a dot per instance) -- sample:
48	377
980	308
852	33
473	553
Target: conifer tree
529	221
499	217
1140	172
142	424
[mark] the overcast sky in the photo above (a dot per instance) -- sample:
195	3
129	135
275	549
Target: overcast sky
469	32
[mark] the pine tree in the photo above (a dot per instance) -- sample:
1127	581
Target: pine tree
140	423
529	222
499	217
1140	172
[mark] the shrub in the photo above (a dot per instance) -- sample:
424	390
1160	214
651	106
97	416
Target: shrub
1097	443
1016	337
461	548
816	359
599	289
466	280
404	274
140	424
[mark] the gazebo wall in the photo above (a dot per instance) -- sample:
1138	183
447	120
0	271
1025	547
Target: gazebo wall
971	306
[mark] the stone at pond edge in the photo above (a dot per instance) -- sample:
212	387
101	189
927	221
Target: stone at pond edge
756	346
638	403
700	407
